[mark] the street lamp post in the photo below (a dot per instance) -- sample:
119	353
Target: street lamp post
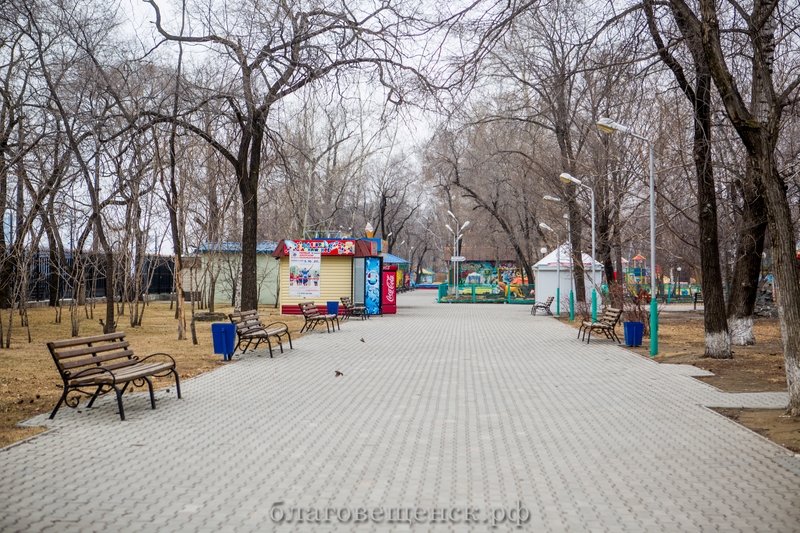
571	271
567	178
607	125
558	267
456	237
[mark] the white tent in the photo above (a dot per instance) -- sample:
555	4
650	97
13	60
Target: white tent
546	272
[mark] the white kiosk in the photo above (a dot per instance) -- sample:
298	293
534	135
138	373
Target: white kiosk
557	265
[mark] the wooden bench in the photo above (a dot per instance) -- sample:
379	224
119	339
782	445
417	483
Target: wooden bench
251	332
313	317
351	309
698	297
104	363
606	324
543	306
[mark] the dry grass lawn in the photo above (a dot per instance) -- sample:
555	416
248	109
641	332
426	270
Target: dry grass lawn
29	381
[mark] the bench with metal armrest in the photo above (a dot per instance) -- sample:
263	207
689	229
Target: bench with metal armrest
314	316
251	332
605	323
106	363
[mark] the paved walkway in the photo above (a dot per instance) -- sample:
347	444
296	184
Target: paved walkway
446	412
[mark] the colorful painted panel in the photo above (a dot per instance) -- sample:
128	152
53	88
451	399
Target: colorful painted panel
325	247
372	295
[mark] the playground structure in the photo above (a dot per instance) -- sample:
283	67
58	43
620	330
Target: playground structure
483	293
637	280
489	282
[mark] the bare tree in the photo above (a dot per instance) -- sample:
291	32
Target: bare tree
759	127
284	47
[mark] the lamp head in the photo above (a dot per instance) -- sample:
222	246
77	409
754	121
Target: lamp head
606	125
568	178
448	227
451	214
545	226
465	225
551	199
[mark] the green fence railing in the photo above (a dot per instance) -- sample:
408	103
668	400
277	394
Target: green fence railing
512	294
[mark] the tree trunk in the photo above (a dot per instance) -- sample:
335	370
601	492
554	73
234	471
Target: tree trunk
109	326
744	285
248	187
760	139
717	341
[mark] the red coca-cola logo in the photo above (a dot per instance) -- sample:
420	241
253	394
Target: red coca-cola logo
390	292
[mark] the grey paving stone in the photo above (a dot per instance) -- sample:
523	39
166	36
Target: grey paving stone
441	406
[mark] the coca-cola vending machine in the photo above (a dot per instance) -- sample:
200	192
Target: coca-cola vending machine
389	290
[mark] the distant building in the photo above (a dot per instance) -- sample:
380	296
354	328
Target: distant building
221	267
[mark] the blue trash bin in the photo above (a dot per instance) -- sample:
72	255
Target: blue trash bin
634	331
333	308
224	336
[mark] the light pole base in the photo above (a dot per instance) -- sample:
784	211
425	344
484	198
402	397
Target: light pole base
653	326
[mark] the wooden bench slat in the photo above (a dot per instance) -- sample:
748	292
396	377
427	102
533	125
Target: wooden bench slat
67	354
86	340
121	376
89	361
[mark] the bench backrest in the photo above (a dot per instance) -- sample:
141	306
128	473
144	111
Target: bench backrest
549	301
309	310
246	321
611	316
111	351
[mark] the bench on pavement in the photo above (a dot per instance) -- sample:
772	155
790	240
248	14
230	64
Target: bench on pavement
606	324
351	309
314	316
251	332
106	363
543	306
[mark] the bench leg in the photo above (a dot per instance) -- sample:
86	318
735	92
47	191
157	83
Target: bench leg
290	339
119	402
590	336
177	383
269	344
94	396
60	401
150	388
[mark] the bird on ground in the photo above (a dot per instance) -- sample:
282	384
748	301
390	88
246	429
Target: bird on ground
337	374
362	340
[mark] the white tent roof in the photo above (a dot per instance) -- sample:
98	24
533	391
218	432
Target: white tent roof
551	259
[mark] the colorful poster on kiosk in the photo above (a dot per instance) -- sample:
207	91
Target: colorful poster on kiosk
372	290
304	268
